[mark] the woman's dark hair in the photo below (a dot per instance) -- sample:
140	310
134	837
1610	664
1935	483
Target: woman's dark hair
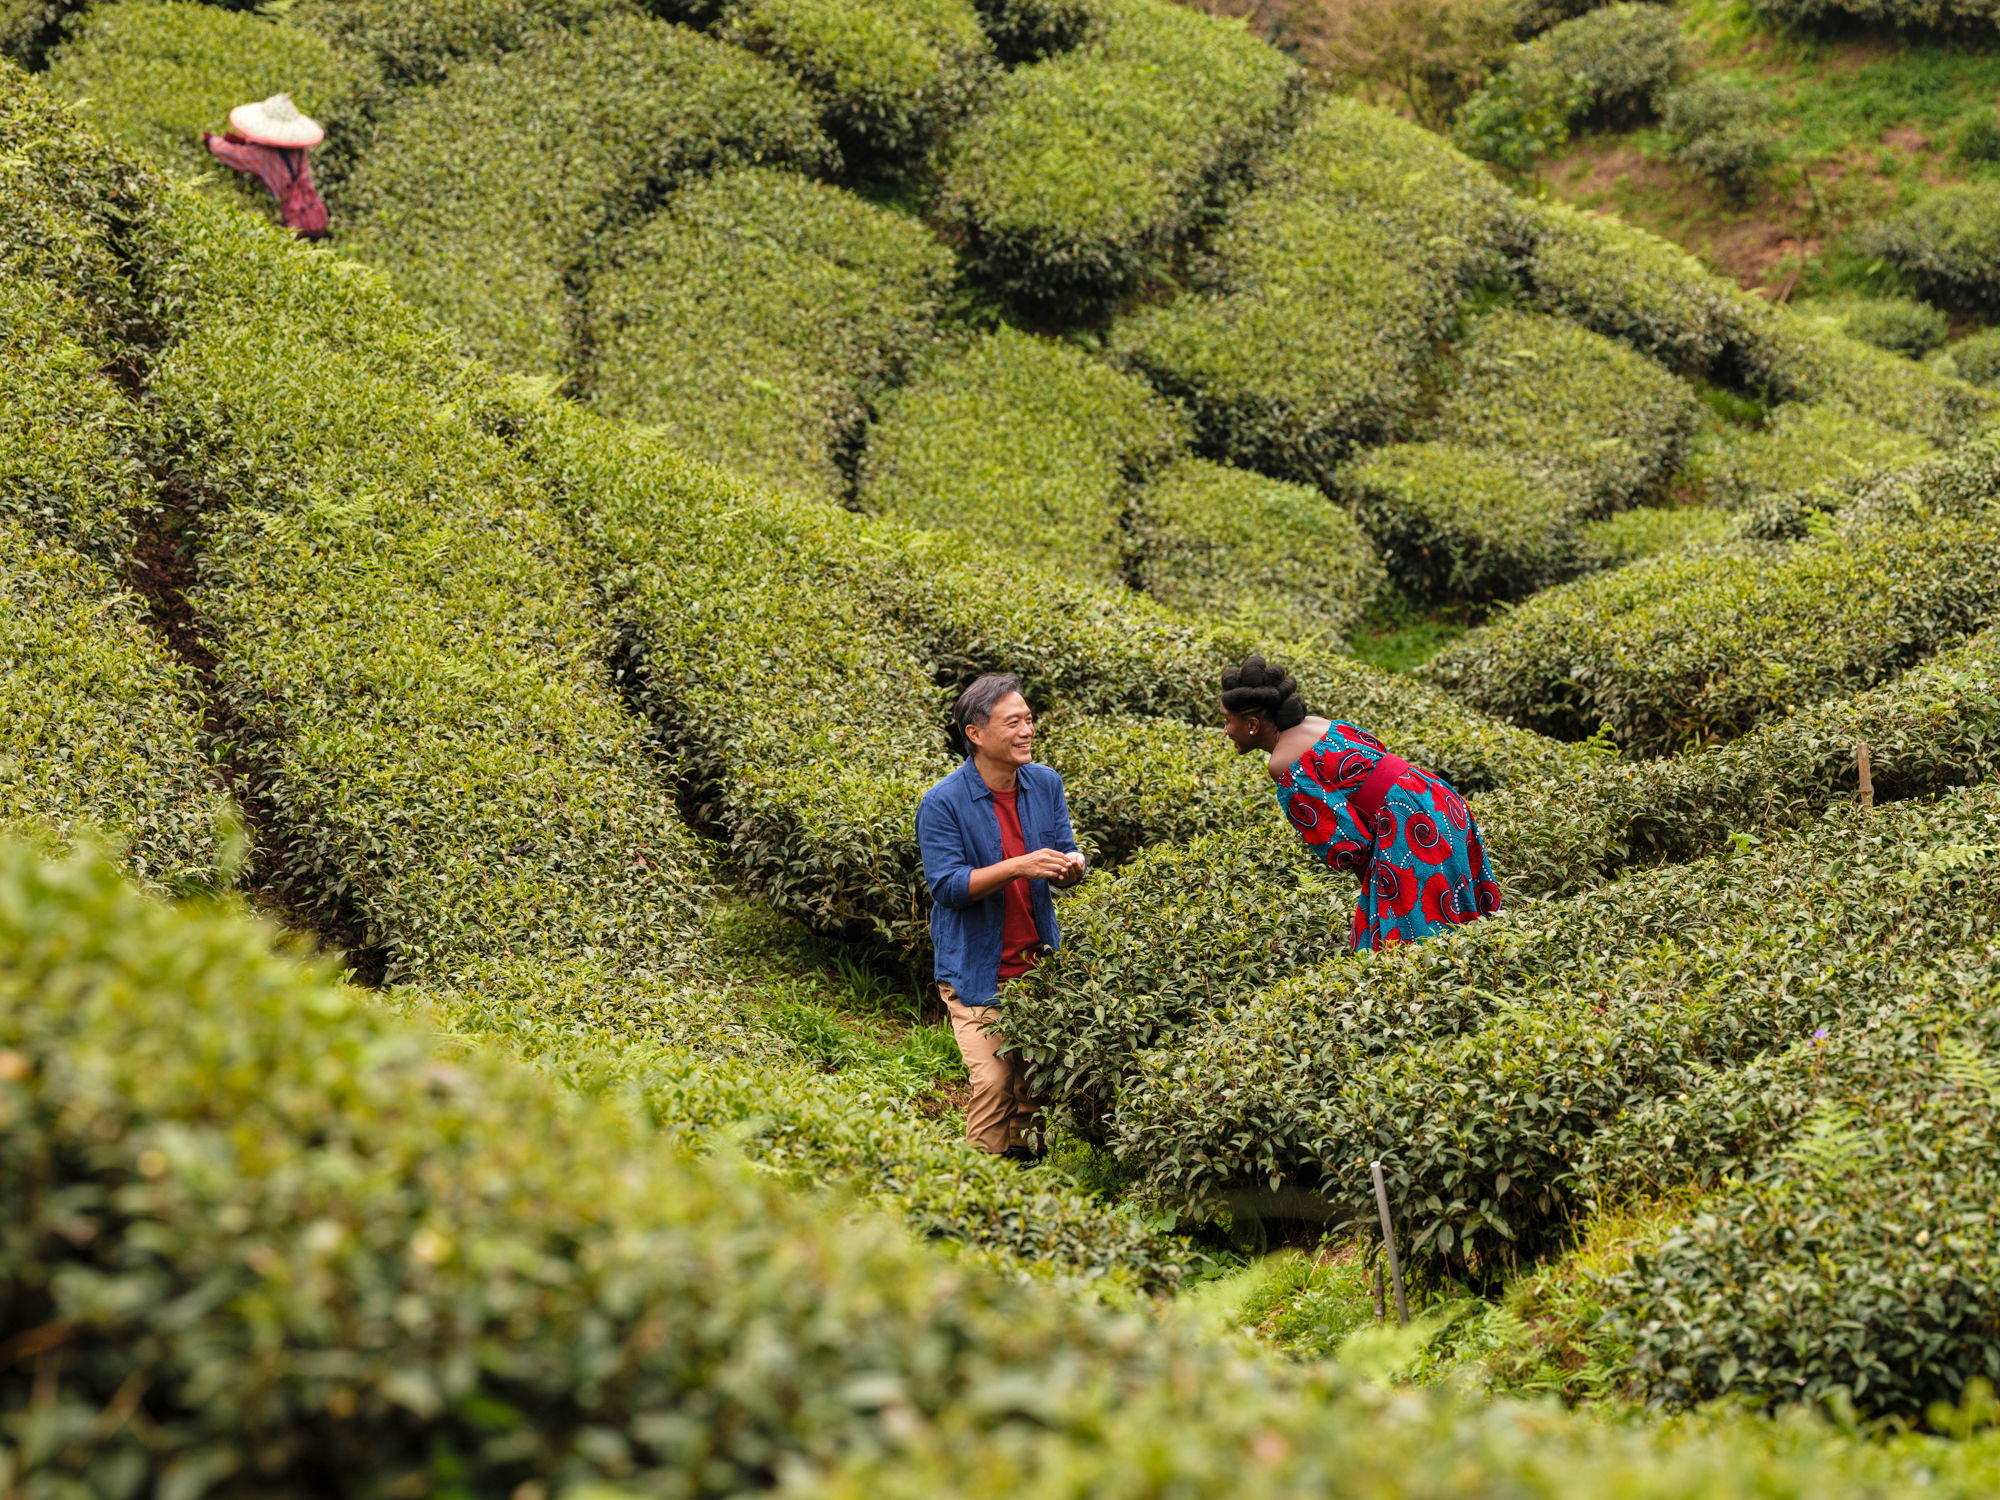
975	706
1261	688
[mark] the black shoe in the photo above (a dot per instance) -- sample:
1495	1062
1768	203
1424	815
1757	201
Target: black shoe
1023	1155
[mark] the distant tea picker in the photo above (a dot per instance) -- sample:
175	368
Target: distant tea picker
1403	830
269	140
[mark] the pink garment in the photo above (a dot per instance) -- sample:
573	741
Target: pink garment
283	171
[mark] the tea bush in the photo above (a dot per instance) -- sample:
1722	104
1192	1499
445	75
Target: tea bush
891	75
1462	523
407	1211
1719	130
1935	727
97	722
1278	560
1624	283
1023	30
1963	17
1804	446
1900	325
493	241
1025	445
405	641
1977	357
1947	244
708	1070
1481	1099
417	45
1627	53
1629	285
754	318
154	76
1135	782
1604	67
70	465
1084	170
1325	292
1856	1260
304	1270
1602	425
1186	929
1702	647
1650	530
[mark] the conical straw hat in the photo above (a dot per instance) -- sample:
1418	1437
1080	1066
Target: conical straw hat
275	121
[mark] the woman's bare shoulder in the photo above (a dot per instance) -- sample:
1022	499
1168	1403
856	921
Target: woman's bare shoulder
1294	742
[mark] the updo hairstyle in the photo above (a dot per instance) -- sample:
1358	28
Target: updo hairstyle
976	704
1264	689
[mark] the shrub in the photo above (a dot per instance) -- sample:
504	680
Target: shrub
709	1070
1086	169
1627	284
416	45
1626	53
1024	444
1947	244
1650	530
69	460
494	245
444	1253
1480	1077
891	75
753	320
29	27
1977	357
99	728
1603	427
1461	523
154	76
1857	1259
1979	136
1718	131
1604	67
1805	446
1782	357
405	641
1966	18
1703	647
1135	782
1182	932
1280	560
1330	286
1897	324
1024	30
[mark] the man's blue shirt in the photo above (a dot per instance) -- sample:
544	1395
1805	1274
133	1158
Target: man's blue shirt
959	832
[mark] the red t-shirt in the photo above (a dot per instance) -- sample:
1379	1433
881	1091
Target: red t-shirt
1018	934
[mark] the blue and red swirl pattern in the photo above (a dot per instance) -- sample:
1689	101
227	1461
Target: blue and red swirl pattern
1421	865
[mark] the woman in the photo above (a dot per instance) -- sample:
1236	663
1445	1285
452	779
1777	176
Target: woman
269	140
995	835
1406	833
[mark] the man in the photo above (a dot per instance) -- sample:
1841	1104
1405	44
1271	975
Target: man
995	836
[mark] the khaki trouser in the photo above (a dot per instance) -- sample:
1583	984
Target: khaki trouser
1000	1112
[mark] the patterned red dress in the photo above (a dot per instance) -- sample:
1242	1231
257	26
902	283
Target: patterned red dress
1408	835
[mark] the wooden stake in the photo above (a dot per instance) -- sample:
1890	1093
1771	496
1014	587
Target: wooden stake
1381	1307
1389	1241
1867	777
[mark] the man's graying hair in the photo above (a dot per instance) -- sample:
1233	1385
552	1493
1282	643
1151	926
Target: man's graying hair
975	706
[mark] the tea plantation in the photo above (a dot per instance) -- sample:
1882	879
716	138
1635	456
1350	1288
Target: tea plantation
469	682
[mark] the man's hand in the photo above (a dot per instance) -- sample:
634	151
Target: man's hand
1045	864
1077	865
